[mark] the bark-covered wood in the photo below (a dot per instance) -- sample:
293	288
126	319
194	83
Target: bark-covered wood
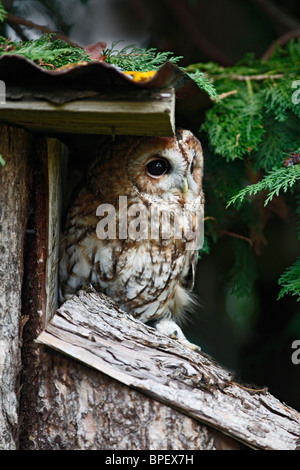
14	196
40	280
79	408
91	329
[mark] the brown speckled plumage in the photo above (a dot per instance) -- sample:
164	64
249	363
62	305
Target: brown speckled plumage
147	277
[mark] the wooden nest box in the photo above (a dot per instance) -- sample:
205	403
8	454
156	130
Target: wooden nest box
86	375
94	98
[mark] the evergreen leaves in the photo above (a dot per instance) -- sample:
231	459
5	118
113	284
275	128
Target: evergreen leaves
277	143
255	123
204	83
279	179
132	58
290	281
237	125
255	95
3	12
46	51
234	126
278	99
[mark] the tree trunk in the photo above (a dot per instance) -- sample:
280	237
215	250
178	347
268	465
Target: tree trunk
14	197
78	408
29	233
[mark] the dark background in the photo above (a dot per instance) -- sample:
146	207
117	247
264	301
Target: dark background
252	336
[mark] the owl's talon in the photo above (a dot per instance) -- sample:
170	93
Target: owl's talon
174	334
172	330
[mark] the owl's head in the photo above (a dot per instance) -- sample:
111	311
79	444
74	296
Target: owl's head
155	167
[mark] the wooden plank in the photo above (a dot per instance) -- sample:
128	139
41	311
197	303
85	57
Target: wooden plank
122	117
90	328
14	203
57	155
39	288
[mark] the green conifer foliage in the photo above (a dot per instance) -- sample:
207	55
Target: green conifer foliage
251	131
46	51
3	12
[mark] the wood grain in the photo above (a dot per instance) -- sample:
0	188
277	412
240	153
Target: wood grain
91	329
14	199
155	116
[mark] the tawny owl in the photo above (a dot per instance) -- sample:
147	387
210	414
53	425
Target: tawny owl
126	232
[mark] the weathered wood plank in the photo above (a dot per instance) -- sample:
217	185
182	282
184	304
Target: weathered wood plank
39	290
56	157
14	197
91	329
120	117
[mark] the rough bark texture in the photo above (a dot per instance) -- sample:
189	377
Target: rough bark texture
79	408
91	329
14	195
40	280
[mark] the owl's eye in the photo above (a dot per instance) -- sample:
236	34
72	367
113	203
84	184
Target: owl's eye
157	167
192	167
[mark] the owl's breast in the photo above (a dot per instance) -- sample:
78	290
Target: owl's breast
144	276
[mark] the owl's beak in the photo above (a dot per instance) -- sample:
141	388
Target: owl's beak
185	187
